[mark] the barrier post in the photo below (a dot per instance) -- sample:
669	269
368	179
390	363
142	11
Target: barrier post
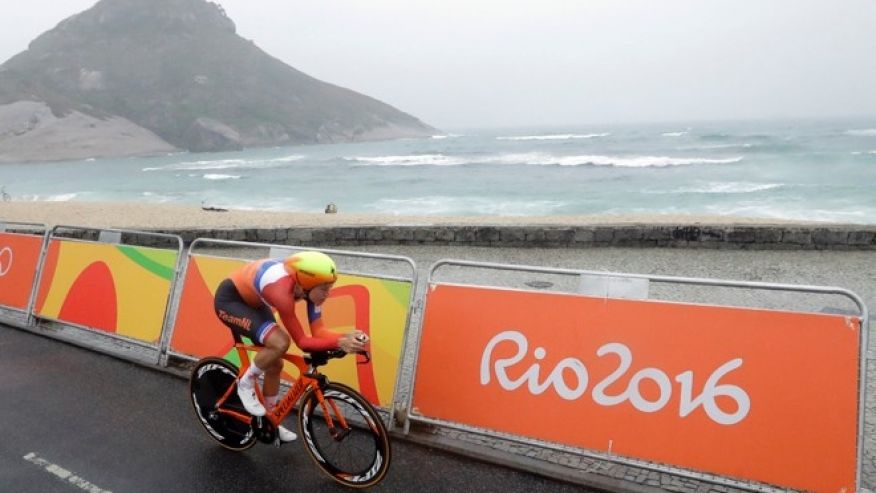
172	307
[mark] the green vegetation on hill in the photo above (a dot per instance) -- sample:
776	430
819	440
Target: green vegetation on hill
178	68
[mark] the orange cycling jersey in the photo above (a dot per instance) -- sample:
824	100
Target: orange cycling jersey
267	282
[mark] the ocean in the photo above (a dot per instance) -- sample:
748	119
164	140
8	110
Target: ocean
798	170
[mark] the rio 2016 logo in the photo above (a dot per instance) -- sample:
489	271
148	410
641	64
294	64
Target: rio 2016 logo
557	379
5	260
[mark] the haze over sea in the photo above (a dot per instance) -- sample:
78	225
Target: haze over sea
800	170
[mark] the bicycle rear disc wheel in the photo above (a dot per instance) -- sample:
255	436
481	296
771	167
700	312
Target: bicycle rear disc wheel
210	380
358	456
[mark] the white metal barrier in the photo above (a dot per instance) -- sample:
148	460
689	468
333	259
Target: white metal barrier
483	311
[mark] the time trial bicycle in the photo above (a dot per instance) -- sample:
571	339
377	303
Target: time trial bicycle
340	429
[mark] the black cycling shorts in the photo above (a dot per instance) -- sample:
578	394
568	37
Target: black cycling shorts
242	319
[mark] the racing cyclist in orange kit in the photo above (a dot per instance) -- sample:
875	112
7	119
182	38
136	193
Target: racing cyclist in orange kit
245	303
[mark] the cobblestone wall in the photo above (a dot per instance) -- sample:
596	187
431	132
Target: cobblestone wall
763	237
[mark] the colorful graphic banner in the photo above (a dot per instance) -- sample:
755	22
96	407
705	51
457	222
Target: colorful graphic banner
760	395
19	256
119	289
378	307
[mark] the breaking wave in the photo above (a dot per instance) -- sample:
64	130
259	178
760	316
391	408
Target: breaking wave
411	160
862	132
228	164
219	176
554	137
540	159
722	188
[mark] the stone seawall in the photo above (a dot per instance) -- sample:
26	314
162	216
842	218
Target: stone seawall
727	236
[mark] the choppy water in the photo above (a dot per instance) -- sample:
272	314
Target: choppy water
790	170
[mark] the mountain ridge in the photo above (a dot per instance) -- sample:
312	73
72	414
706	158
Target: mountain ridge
179	70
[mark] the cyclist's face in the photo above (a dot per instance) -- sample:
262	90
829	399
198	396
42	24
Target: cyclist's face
319	293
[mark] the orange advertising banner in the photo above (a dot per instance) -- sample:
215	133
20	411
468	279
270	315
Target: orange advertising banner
752	394
19	255
118	289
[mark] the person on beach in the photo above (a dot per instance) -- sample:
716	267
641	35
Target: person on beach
245	302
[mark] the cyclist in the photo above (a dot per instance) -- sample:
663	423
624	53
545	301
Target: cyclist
245	303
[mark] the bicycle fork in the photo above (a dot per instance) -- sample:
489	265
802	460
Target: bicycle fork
338	430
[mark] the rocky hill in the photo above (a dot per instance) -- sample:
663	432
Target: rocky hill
170	74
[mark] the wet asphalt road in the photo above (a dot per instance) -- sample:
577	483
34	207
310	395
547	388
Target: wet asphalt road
77	421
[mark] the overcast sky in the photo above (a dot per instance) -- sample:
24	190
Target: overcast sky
476	63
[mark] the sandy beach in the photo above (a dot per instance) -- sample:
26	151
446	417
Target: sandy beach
179	216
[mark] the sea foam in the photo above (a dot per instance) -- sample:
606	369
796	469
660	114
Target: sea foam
410	160
61	197
632	161
539	159
732	187
862	132
219	176
554	137
228	164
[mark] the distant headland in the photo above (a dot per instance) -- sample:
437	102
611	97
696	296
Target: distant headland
134	77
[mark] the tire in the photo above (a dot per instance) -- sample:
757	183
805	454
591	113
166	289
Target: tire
361	458
209	381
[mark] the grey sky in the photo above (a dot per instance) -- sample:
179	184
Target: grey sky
476	63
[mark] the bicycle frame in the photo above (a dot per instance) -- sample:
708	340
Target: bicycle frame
329	414
309	378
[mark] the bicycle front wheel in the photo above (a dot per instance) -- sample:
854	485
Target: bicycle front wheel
210	380
354	449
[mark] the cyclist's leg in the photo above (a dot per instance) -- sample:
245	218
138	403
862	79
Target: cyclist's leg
257	323
270	359
277	342
260	326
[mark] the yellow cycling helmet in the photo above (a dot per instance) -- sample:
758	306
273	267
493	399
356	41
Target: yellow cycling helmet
312	268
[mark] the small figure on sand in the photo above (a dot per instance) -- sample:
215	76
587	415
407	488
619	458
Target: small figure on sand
205	207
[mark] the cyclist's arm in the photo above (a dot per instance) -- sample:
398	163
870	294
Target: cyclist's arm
317	326
279	295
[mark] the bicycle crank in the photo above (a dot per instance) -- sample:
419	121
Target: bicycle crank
265	431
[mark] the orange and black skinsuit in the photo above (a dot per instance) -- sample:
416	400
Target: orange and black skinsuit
246	300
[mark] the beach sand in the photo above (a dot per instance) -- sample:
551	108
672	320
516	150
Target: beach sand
179	216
